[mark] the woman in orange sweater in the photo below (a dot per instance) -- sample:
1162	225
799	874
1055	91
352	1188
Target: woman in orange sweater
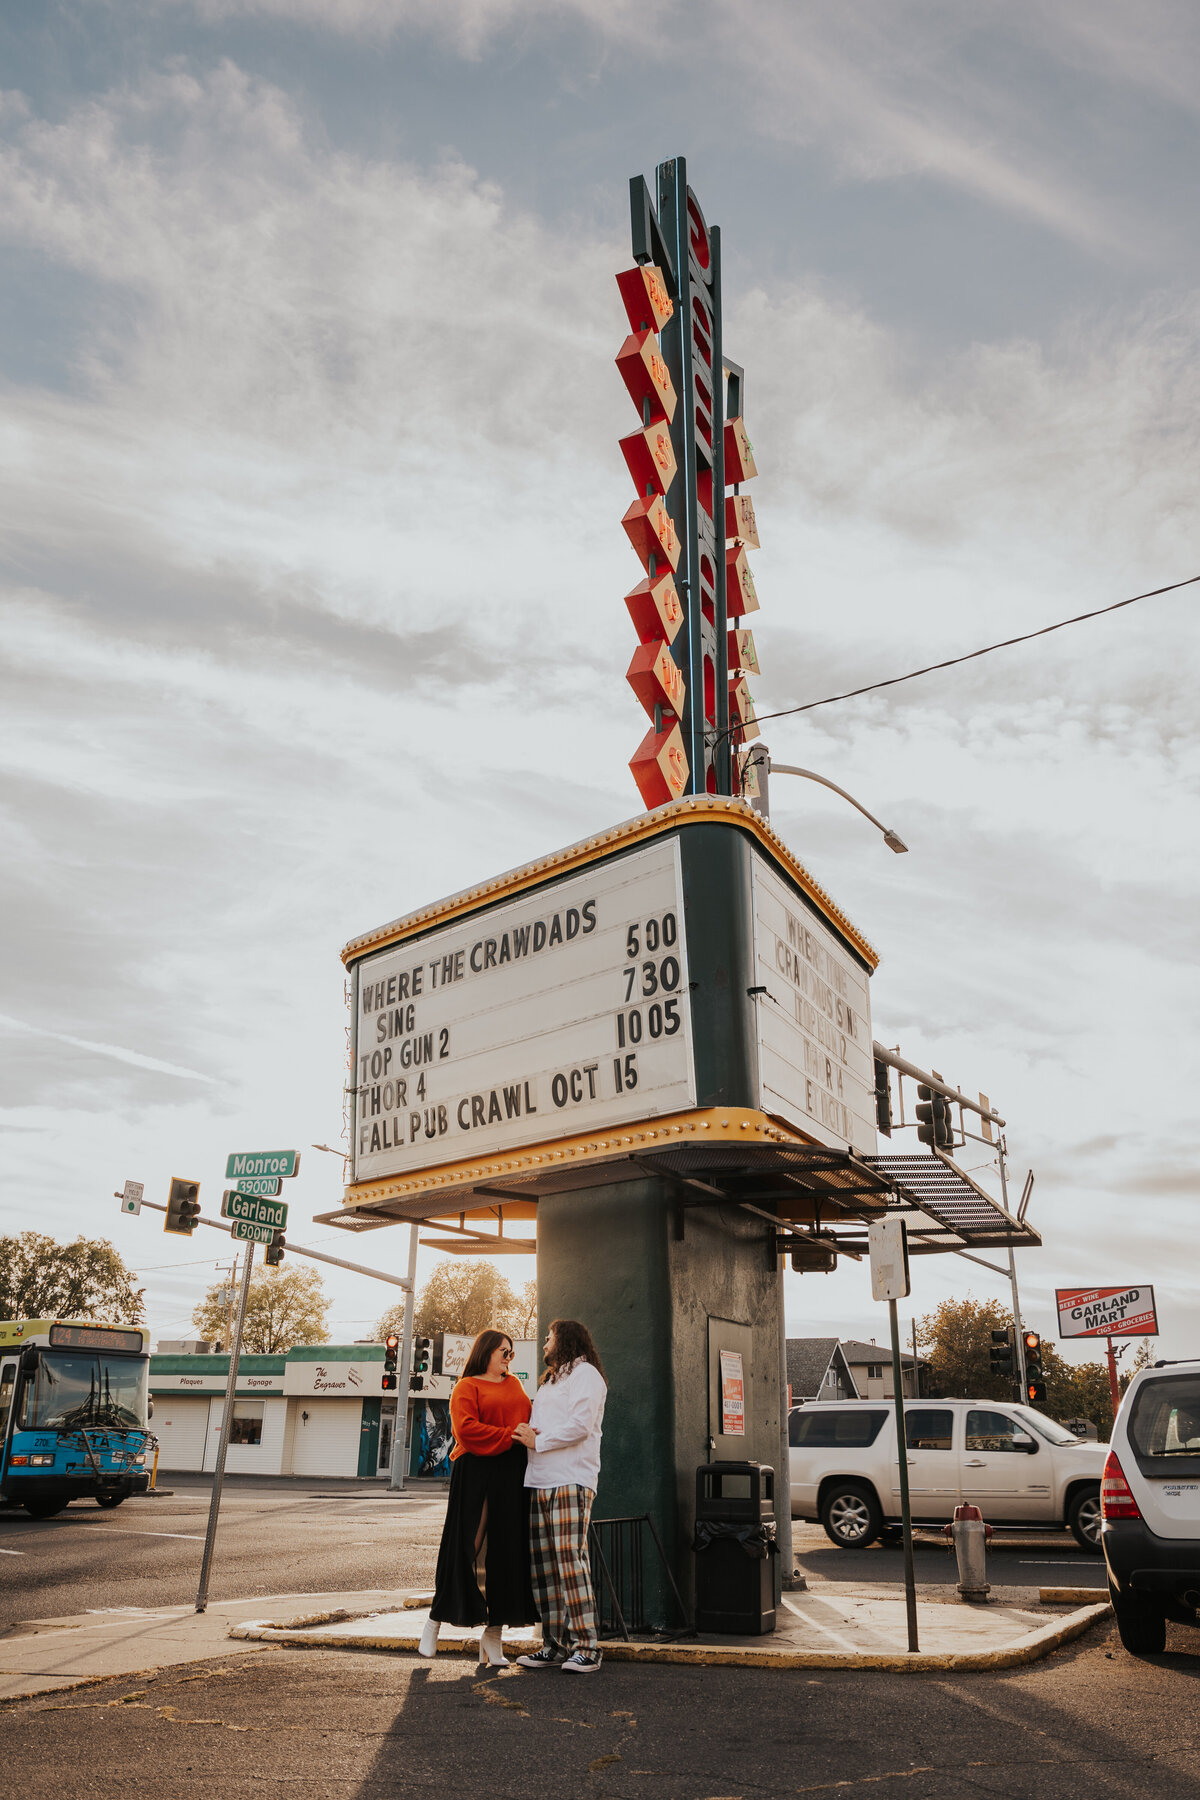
487	1516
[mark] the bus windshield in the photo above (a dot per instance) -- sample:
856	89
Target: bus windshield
67	1391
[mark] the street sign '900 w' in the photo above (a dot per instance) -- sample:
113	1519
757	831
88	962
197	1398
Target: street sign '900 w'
247	1232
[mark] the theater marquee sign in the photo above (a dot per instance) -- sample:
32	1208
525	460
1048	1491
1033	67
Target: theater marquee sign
682	967
562	1011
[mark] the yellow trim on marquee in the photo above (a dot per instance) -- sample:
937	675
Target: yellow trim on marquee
714	1125
696	809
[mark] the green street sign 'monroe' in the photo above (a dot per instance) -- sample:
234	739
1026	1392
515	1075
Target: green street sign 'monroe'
249	1233
251	1210
262	1162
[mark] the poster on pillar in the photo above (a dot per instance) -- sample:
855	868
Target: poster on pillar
733	1394
564	1010
814	1021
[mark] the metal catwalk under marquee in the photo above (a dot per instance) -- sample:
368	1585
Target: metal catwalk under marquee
816	1195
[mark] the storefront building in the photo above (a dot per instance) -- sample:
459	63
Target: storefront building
317	1411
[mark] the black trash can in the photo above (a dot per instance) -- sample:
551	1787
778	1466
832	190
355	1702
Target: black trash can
735	1548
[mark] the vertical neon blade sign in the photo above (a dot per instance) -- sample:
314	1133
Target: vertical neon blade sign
694	653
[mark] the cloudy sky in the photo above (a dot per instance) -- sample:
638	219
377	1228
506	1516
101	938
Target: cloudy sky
312	566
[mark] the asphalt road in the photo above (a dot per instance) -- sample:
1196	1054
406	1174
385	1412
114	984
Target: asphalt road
1090	1723
278	1537
285	1536
1017	1562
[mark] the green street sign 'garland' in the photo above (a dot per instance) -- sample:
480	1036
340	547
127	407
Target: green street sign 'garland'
255	1211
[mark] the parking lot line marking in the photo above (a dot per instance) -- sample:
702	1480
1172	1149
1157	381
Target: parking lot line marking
12	1553
122	1531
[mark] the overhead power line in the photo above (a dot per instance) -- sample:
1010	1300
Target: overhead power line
952	661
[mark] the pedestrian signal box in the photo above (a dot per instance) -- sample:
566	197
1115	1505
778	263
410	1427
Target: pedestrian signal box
183	1207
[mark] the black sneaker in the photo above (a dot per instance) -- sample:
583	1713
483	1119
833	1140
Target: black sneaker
545	1658
583	1662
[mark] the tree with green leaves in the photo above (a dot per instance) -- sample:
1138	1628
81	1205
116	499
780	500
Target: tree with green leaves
285	1307
85	1279
467	1296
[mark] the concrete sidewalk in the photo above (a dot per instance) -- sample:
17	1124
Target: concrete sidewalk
42	1655
834	1625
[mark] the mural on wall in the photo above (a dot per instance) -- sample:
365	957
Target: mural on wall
432	1439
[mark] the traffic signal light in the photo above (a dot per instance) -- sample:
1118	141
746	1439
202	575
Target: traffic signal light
183	1207
1035	1375
275	1249
1001	1353
391	1350
935	1125
883	1099
420	1362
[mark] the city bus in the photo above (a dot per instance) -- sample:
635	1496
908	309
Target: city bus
74	1410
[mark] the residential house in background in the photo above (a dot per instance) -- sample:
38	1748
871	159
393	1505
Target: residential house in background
871	1368
817	1370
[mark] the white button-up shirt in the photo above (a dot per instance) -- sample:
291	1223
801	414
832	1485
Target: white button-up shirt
567	1416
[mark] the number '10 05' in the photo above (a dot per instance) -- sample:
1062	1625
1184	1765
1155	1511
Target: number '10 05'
659	1021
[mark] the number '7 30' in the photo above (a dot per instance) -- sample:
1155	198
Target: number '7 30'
651	978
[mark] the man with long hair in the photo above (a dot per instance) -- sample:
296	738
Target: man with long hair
563	1440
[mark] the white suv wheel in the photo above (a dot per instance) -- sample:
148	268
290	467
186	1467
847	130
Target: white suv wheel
851	1518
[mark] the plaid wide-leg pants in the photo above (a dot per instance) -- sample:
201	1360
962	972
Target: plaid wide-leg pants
562	1575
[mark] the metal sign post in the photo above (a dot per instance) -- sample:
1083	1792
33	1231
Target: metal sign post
890	1281
396	1475
226	1423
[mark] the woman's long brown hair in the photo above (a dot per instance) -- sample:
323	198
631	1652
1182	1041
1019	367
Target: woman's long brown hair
481	1352
572	1343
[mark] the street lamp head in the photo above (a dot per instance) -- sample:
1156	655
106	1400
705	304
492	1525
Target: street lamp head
895	842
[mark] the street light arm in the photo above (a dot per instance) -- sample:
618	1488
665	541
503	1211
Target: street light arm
892	839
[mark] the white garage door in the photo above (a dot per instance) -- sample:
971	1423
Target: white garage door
327	1443
180	1424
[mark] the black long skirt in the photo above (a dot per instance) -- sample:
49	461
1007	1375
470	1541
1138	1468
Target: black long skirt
507	1598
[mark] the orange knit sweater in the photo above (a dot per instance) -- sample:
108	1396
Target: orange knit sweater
483	1414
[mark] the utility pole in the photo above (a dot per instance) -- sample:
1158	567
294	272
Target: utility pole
1018	1327
214	1506
396	1477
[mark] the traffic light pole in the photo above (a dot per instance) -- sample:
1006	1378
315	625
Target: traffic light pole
214	1505
1019	1328
396	1476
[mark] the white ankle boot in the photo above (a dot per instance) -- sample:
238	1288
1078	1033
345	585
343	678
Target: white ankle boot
491	1647
429	1638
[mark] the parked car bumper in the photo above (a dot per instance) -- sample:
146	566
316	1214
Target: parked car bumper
1140	1562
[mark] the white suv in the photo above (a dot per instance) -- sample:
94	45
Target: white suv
1151	1506
1016	1465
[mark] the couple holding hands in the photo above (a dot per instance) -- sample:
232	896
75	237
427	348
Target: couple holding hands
522	1482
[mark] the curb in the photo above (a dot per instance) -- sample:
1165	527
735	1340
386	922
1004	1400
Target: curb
1029	1649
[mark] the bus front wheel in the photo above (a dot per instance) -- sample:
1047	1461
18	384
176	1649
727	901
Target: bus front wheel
43	1509
108	1501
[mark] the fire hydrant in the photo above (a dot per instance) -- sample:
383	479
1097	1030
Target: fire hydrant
970	1536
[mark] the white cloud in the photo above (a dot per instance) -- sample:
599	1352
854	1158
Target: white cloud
317	615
